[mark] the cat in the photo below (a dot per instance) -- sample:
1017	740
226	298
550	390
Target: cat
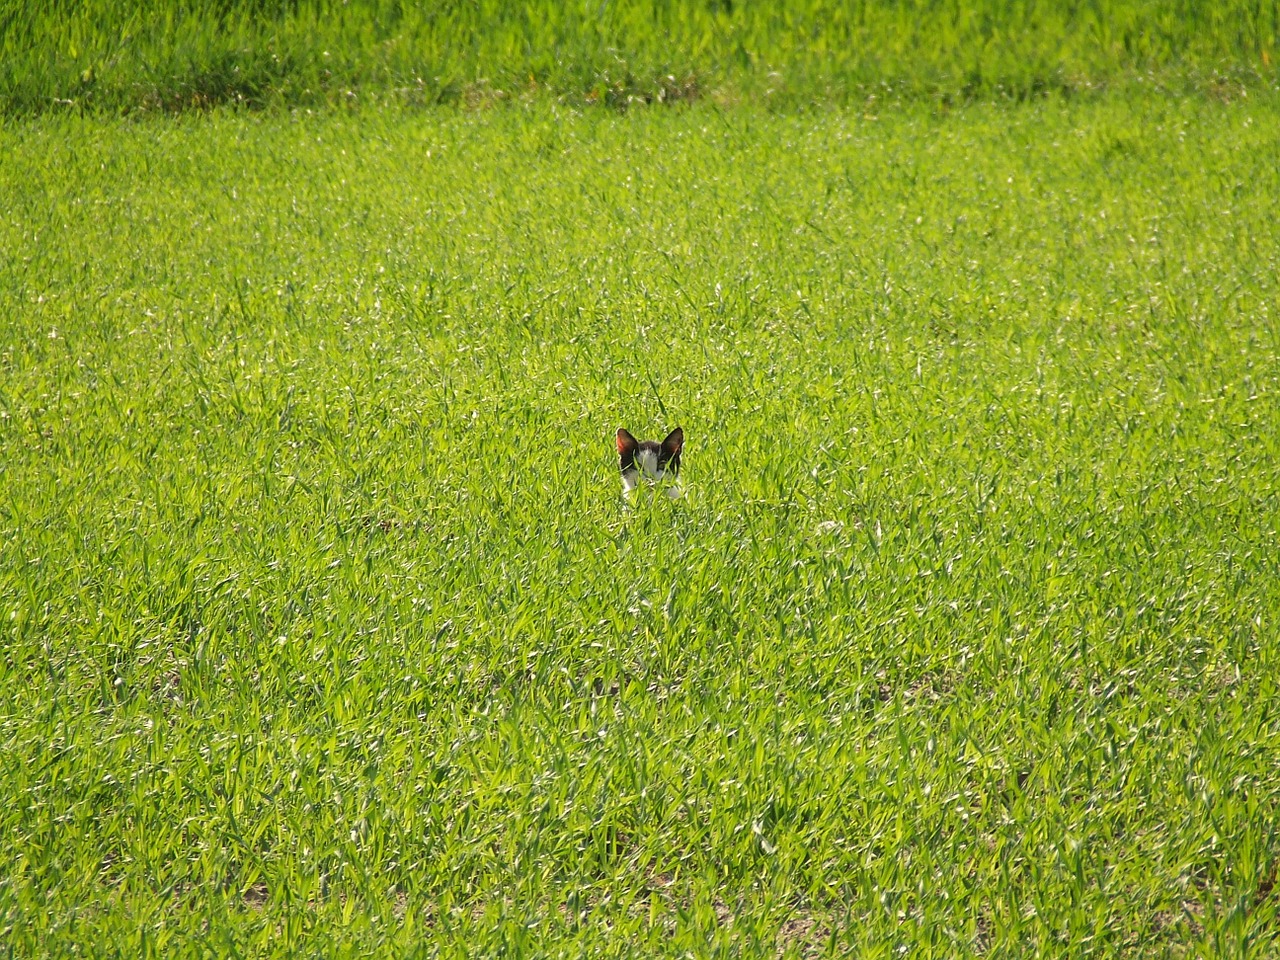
659	463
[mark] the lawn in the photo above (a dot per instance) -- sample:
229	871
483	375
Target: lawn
327	632
174	55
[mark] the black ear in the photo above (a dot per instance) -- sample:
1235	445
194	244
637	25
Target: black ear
674	443
627	444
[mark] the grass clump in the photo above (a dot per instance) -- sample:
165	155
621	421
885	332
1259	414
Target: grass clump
176	55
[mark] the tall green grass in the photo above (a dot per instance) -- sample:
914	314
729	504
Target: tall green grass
121	56
324	631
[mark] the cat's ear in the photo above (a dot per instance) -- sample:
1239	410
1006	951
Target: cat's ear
627	444
674	442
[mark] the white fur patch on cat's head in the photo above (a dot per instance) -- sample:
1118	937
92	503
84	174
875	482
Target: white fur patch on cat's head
648	461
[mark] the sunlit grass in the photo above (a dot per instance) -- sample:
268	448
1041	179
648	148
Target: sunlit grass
175	55
325	628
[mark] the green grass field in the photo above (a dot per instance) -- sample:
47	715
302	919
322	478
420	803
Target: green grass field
129	55
326	632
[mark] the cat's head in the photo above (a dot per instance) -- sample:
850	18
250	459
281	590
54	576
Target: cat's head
649	459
